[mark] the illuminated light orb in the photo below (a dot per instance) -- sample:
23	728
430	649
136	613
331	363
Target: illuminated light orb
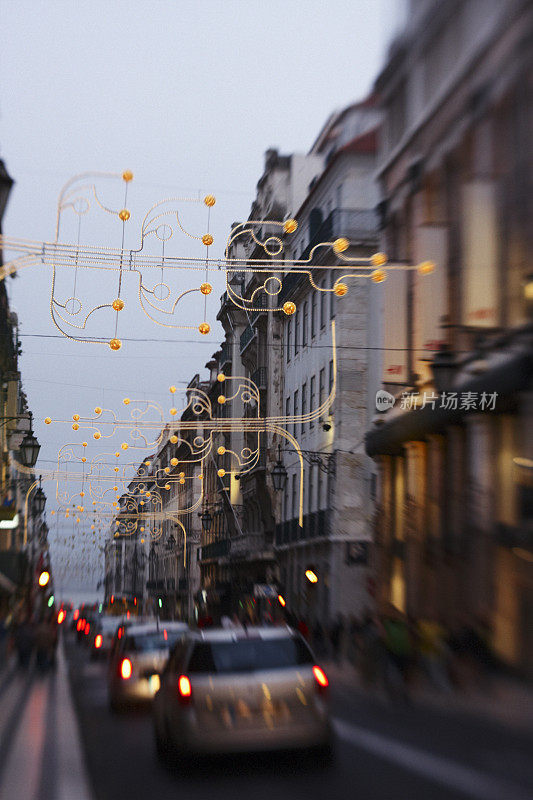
221	399
147	463
127	175
115	344
92	527
117	455
207	239
378	276
82	494
84	444
115	488
75	427
210	200
124	445
290	225
115	504
116	469
340	289
181	475
148	495
126	401
76	417
141	503
378	259
124	215
174	462
167	486
221	451
47	421
200	477
77	519
172	390
94	502
83	459
340	245
118	304
426	267
221	377
167	470
182	480
173	412
97	435
174	439
289	307
206	288
204	327
221	473
142	540
98	410
52	513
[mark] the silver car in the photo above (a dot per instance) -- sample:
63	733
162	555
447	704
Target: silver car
241	690
138	659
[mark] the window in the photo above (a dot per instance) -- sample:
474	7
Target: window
304	405
289	339
296	410
305	323
323	297
296	331
312	392
321	386
313	315
249	655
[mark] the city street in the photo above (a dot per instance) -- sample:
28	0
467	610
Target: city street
381	751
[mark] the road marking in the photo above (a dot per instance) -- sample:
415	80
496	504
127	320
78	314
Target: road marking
23	768
441	770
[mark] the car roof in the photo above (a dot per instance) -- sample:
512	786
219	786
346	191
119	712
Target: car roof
152	627
237	634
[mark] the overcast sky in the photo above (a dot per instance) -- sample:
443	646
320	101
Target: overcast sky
188	95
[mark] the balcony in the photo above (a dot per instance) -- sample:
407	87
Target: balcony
260	302
259	377
217	549
225	355
360	226
247	336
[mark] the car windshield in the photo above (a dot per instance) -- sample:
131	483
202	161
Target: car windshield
147	642
249	655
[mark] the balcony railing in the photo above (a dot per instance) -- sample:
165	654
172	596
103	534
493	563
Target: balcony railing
360	226
246	337
216	549
260	302
225	354
259	377
315	527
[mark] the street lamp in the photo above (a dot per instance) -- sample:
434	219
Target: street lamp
39	500
171	542
279	473
206	519
29	448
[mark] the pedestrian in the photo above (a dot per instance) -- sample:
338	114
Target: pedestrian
399	652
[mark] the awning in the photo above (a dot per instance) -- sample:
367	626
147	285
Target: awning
507	379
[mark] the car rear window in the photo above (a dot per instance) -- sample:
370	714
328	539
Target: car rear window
249	655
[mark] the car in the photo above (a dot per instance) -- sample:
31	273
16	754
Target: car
242	690
137	660
102	636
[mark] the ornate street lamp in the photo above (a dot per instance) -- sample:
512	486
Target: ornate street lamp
39	500
206	519
29	448
279	473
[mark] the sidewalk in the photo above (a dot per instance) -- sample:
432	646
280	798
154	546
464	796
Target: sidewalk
503	700
40	749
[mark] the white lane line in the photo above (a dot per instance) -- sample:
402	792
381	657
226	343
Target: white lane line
448	773
23	769
72	778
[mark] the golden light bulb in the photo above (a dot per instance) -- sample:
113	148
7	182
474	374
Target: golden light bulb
83	459
172	390
97	410
124	215
290	225
210	200
167	470
127	175
75	427
221	450
289	307
221	377
340	245
117	455
116	469
97	435
115	344
76	417
84	444
173	412
126	401
181	475
174	439
378	276
174	462
147	463
221	472
204	328
426	267
124	445
47	421
207	239
340	289
82	494
378	259
221	399
118	304
167	486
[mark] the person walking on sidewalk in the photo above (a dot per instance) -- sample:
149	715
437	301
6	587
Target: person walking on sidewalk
399	650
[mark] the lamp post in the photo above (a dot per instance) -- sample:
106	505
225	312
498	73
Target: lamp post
29	447
279	474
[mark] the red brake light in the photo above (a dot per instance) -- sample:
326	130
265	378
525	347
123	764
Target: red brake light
87	628
165	635
76	615
98	640
320	677
60	617
78	625
120	631
125	669
184	688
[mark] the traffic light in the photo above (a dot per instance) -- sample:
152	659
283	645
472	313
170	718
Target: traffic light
51	601
160	603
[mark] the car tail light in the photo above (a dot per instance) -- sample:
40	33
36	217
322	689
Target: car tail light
87	629
125	669
321	678
79	624
98	640
184	689
76	615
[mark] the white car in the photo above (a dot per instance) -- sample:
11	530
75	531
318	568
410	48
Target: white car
241	690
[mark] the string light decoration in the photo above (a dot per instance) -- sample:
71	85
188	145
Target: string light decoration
263	244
